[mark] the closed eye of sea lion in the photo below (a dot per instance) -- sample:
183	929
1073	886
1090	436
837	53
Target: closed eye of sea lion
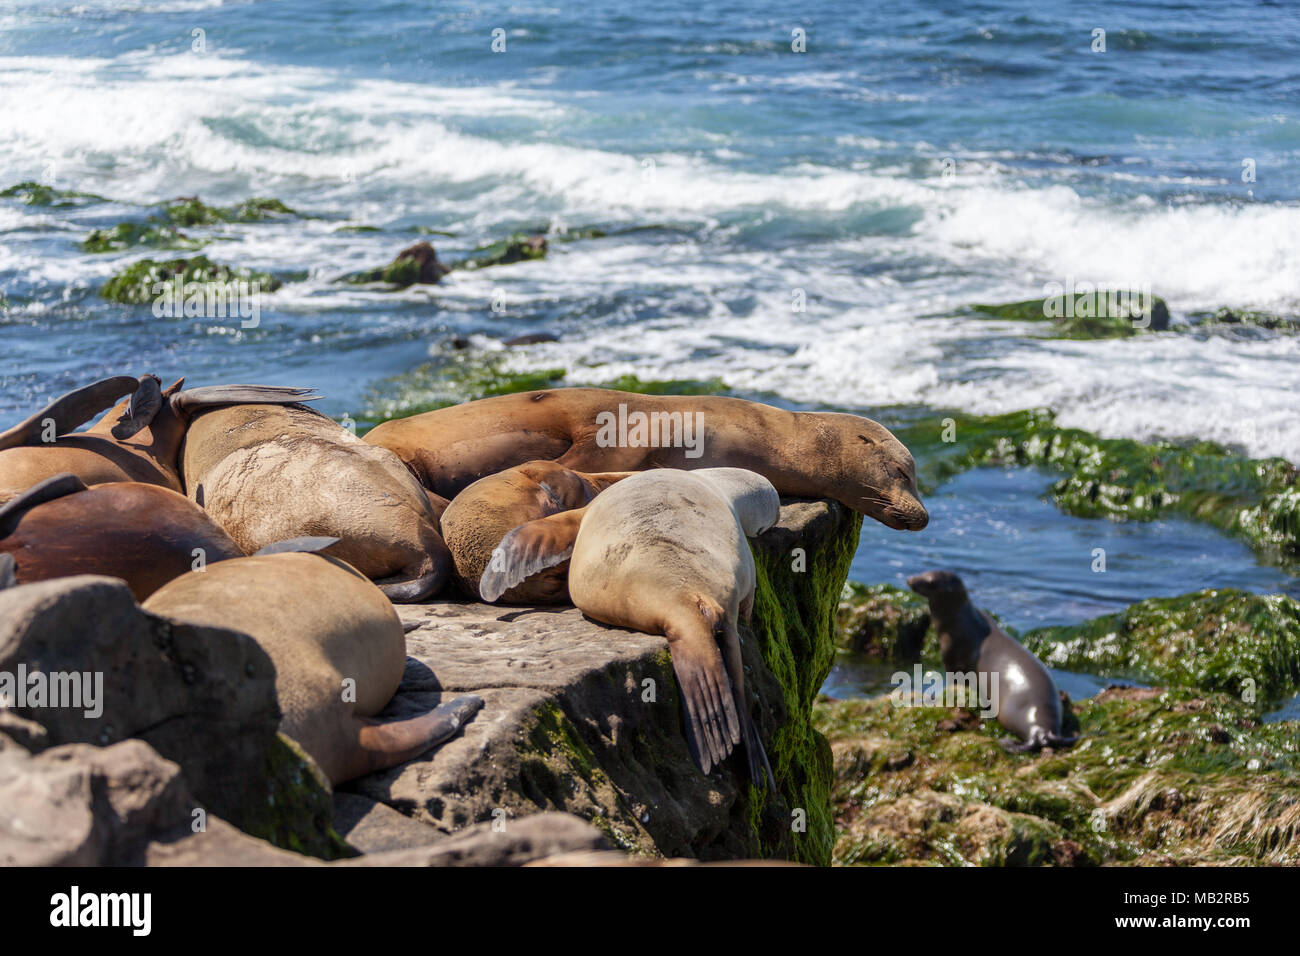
846	458
492	509
321	623
266	473
137	440
1028	702
665	552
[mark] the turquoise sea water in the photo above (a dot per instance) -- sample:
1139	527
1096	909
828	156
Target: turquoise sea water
917	157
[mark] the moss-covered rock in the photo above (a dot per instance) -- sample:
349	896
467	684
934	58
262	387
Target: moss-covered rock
1160	777
139	282
131	235
1245	645
39	194
1086	315
1122	479
519	247
414	264
882	621
192	211
1250	318
297	808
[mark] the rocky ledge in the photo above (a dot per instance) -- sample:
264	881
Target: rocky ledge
578	752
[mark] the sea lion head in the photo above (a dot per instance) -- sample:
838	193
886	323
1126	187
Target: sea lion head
888	478
939	587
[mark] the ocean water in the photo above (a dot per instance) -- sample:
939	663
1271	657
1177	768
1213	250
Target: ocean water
916	158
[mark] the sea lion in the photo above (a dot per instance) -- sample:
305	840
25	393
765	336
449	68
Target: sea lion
144	534
137	440
1029	705
267	472
478	518
847	458
338	650
664	552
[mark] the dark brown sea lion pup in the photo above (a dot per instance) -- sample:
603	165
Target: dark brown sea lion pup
665	552
847	458
338	650
478	518
265	473
145	534
137	440
1029	705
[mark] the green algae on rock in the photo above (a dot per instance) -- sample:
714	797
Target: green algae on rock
144	281
130	235
882	621
519	247
1088	315
192	211
1159	777
1123	479
414	264
39	194
1245	645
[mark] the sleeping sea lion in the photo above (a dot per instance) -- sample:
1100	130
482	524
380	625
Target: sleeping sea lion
664	552
268	472
1029	705
847	458
137	440
478	518
338	650
144	534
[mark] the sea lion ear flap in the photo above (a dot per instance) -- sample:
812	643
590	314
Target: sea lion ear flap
145	403
532	547
305	545
8	574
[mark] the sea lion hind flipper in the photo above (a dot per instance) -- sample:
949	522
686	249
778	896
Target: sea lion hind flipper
712	725
411	588
380	746
303	545
529	548
1013	745
760	770
8	574
68	411
56	486
210	396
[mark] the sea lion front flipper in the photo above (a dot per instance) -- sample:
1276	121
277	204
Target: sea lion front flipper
56	486
380	746
68	411
305	545
712	725
531	547
8	574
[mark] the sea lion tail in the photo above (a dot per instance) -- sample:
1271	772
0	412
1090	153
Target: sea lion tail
529	548
388	744
56	486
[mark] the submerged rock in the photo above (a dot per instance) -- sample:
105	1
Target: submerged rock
145	281
516	248
192	211
130	235
1087	315
39	194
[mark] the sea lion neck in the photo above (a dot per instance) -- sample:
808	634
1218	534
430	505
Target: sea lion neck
962	630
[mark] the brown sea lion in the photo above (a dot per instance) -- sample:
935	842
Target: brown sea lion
266	472
478	518
338	650
137	440
144	534
664	552
1028	703
847	458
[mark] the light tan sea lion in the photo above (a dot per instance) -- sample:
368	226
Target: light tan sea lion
478	518
137	440
270	472
338	649
665	552
1028	703
144	534
847	458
